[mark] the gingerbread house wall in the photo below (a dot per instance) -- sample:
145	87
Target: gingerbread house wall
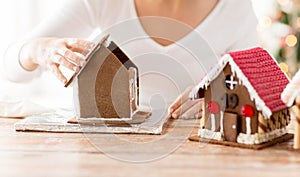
102	89
278	120
216	91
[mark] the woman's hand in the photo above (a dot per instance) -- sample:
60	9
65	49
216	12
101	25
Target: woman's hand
50	53
184	107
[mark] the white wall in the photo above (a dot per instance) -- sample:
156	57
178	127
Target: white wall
18	17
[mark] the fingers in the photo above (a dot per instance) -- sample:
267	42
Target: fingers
53	52
80	46
194	112
71	57
61	60
56	71
177	103
180	100
65	55
183	108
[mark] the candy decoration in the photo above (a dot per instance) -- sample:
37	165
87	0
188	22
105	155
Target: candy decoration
248	112
213	108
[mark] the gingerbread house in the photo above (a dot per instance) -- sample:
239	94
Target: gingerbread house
106	88
242	101
291	96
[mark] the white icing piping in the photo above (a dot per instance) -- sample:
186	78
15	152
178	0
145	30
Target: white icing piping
260	104
248	125
221	122
208	78
213	122
259	138
209	134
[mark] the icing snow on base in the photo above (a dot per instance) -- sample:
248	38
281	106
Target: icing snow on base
259	138
209	134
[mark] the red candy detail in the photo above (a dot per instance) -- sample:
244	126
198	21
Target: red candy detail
247	110
213	107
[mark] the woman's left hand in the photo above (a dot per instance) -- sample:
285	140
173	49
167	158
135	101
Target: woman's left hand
184	107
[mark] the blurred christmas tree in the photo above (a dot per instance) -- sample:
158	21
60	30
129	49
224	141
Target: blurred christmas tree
280	32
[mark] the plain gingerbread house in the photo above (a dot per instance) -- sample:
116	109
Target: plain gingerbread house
106	88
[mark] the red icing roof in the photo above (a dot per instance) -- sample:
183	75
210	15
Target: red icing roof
264	74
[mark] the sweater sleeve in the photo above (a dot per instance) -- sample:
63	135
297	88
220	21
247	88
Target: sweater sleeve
76	19
11	68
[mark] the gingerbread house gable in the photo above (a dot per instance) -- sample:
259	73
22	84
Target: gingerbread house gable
258	72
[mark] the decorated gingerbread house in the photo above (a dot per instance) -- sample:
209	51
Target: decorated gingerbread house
291	96
242	101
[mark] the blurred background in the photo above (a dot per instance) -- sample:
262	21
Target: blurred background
279	25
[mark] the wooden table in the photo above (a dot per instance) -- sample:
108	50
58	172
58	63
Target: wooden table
171	154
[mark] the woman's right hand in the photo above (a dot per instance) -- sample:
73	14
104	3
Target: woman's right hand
50	53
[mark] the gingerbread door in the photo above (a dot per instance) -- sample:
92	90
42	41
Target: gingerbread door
230	125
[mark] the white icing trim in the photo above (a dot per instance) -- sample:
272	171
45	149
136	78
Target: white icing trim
208	134
243	80
221	122
259	138
204	83
213	122
259	103
248	125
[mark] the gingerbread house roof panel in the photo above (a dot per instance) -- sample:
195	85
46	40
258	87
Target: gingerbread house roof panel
264	75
